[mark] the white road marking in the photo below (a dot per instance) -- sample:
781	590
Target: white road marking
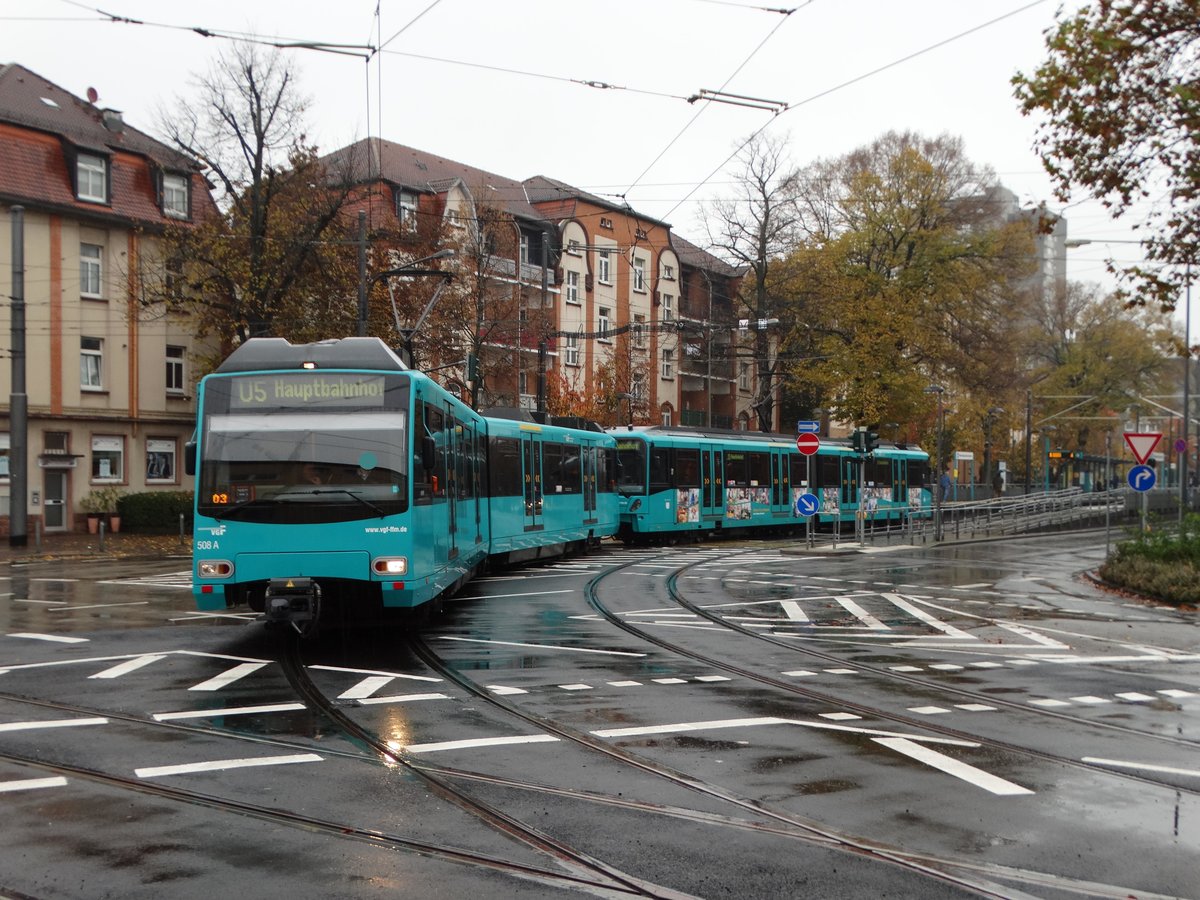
366	687
502	691
56	580
988	665
861	614
842	671
928	710
29	784
1090	700
228	677
800	673
713	678
575	687
981	584
51	723
839	716
1146	766
1048	703
669	680
61	639
905	668
625	683
1135	697
507	596
540	646
131	665
400	698
220	765
376	672
481	742
946	667
1034	636
931	621
230	711
27	600
679	727
793	611
951	766
975	707
1175	692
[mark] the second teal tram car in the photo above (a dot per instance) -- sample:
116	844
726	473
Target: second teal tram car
678	481
331	474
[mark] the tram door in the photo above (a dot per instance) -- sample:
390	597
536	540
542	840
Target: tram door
587	460
452	450
850	484
780	477
713	489
531	480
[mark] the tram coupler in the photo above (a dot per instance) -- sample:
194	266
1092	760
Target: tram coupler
295	601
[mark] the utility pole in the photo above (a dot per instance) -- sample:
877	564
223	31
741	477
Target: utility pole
362	273
18	530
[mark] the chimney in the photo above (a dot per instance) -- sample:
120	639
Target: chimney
112	120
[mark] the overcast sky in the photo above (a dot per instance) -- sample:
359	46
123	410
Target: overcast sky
497	84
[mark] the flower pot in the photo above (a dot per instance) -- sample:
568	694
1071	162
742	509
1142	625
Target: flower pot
93	523
114	524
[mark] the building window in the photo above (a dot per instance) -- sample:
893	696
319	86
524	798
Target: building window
606	222
175	370
175	196
666	416
668	364
571	353
91	363
572	287
574	248
604	322
668	273
603	267
91	174
639	332
524	249
406	210
668	307
744	376
160	459
4	448
90	270
522	383
639	274
108	458
637	387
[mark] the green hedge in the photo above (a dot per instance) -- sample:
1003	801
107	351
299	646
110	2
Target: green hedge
1163	563
156	512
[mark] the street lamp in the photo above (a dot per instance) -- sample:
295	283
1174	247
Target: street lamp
989	422
410	270
940	489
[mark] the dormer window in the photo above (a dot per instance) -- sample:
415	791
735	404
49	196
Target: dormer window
406	210
91	178
175	195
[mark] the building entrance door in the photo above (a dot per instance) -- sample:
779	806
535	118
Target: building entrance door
54	500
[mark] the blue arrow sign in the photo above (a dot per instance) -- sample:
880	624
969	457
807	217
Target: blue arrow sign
804	425
1141	478
807	505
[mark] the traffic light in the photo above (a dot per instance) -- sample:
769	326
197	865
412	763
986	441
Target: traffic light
472	368
856	440
870	439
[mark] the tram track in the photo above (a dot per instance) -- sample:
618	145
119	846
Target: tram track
676	596
600	881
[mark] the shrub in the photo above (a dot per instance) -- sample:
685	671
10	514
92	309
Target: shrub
156	512
1161	564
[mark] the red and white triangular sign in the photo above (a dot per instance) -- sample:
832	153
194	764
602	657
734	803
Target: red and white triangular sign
1142	444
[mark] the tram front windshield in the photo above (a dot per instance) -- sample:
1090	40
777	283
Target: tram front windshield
631	466
304	447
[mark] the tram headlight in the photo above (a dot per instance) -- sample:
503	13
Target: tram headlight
390	565
214	568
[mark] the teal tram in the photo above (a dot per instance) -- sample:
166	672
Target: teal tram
332	477
679	482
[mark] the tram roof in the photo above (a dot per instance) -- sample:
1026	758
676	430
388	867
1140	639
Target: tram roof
258	354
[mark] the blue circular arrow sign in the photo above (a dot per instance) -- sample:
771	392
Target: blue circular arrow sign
1141	478
807	505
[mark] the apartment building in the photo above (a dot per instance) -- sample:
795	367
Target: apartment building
586	285
109	378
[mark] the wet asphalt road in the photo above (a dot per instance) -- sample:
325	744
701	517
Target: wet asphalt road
729	719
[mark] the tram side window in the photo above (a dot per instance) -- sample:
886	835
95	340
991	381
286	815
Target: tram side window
687	468
919	474
758	467
560	465
735	469
879	472
799	469
504	470
827	472
660	469
435	428
608	470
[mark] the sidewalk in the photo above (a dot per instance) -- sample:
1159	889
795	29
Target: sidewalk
84	546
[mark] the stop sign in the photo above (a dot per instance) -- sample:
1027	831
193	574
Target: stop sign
807	443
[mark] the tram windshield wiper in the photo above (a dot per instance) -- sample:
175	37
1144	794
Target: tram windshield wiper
363	500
